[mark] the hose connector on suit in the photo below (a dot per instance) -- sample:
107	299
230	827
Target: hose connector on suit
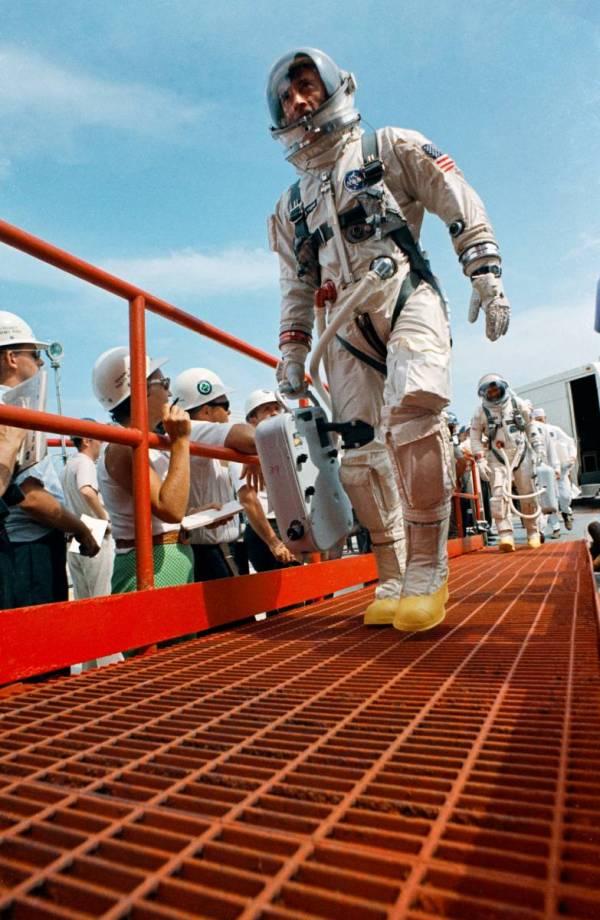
362	291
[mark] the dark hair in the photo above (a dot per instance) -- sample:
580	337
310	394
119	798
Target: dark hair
78	439
299	64
122	412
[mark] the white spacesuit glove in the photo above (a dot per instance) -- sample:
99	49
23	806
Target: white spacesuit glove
488	295
290	370
484	469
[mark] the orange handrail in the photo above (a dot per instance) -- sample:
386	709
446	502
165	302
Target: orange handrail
138	436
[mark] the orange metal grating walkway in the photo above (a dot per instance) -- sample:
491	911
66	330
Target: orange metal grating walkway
309	767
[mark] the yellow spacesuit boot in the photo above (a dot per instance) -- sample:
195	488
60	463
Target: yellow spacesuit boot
427	569
422	611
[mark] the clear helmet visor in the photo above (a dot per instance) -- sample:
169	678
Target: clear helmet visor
287	71
329	107
493	390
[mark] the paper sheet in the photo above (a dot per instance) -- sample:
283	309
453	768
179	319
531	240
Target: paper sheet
98	528
210	516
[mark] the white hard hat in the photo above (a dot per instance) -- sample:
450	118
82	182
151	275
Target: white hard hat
111	376
15	331
539	413
198	386
259	398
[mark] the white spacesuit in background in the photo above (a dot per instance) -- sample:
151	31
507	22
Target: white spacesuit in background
561	448
353	219
502	440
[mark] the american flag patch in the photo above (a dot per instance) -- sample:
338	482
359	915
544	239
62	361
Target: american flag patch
445	163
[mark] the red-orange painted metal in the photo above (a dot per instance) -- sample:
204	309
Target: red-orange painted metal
144	562
65	633
310	768
62	634
63	424
474	496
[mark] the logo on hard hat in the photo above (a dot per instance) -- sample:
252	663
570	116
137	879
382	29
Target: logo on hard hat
204	387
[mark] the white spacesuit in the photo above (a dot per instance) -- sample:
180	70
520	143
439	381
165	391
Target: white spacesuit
503	437
561	450
353	219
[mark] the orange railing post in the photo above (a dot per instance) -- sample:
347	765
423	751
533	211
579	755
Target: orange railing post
141	467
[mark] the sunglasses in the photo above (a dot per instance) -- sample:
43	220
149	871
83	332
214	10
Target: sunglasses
219	404
35	353
164	382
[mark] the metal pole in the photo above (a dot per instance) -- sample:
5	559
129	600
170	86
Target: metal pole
141	463
63	445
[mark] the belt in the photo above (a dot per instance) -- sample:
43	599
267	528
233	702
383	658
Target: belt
158	539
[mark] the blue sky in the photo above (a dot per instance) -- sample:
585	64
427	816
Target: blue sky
136	136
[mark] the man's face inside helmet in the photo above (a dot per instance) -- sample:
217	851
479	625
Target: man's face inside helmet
301	93
494	393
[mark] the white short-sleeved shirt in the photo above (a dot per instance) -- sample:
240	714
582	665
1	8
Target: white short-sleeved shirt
212	481
80	471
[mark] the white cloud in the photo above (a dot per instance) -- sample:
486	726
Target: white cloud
42	103
184	273
18	268
190	273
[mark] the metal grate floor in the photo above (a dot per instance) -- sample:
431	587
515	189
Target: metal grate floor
309	767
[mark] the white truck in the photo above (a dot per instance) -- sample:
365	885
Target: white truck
572	401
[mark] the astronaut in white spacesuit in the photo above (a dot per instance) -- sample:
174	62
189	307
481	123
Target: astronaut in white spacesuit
561	454
504	442
352	220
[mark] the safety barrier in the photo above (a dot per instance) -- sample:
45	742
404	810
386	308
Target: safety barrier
99	626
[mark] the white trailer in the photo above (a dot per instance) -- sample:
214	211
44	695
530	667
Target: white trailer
572	401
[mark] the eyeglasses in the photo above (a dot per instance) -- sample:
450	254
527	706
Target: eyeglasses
164	382
219	404
35	353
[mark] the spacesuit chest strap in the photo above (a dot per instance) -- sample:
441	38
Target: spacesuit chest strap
518	419
306	244
373	172
492	428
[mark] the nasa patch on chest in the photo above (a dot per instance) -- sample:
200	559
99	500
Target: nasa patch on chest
354	181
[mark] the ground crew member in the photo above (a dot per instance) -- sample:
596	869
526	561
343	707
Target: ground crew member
204	395
35	554
264	546
169	473
90	577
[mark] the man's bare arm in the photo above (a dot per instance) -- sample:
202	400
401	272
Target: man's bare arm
48	511
241	438
92	499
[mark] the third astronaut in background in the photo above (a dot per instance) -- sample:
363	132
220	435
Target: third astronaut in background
563	451
503	438
353	219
